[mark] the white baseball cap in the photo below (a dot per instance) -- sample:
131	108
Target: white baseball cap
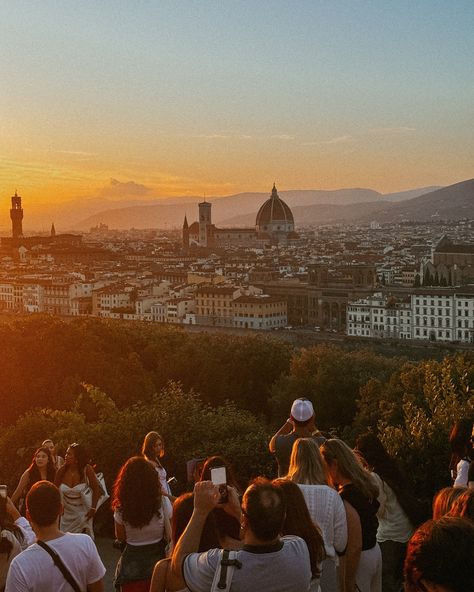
302	410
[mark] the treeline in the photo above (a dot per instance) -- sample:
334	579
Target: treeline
147	377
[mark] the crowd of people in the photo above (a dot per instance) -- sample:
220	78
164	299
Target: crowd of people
336	519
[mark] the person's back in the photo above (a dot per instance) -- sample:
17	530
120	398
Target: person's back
299	425
267	562
34	570
283	567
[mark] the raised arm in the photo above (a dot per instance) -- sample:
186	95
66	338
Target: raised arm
206	498
96	490
286	428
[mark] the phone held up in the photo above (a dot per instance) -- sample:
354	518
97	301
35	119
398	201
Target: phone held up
3	490
219	478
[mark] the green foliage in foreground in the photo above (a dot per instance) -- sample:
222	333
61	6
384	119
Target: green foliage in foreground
45	361
161	378
190	428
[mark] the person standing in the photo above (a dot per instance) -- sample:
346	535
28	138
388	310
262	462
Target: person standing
325	506
300	424
41	468
80	491
460	440
363	559
34	570
57	460
140	523
266	563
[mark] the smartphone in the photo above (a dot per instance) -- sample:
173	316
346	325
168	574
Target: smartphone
219	478
3	490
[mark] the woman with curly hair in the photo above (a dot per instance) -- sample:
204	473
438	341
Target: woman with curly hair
359	491
444	500
141	523
41	469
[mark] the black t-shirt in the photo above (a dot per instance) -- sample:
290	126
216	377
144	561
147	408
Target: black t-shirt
283	446
367	510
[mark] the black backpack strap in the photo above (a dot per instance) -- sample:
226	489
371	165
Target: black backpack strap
60	565
225	563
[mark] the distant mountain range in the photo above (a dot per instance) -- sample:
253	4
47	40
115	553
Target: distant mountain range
241	209
310	207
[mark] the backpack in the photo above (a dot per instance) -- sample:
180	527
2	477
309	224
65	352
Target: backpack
225	570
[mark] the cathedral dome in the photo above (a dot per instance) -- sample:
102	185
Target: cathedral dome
275	215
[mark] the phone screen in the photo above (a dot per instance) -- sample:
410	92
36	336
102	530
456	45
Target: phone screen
218	476
3	490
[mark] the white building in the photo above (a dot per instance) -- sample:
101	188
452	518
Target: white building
434	314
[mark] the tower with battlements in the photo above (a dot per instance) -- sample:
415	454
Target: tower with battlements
16	215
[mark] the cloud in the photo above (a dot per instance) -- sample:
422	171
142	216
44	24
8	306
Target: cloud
339	140
223	136
75	152
389	131
347	139
282	137
119	189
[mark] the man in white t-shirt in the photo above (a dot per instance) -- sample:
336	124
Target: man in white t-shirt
266	563
34	570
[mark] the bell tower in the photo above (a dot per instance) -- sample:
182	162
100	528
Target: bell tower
204	223
16	215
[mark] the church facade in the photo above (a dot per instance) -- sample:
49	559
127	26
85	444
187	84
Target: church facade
274	225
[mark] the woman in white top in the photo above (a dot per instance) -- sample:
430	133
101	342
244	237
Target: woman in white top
395	527
80	491
460	440
325	506
140	522
153	450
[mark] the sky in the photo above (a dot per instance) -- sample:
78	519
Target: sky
177	97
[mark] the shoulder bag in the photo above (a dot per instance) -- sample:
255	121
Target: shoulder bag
60	565
225	570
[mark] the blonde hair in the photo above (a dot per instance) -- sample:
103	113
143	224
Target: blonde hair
444	500
306	463
349	466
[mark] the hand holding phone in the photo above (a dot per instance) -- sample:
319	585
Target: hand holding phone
3	490
219	478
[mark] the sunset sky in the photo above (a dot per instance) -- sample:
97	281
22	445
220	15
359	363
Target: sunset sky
218	97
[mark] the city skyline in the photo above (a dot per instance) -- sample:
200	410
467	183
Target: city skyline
180	98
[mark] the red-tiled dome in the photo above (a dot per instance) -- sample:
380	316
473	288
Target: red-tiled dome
274	210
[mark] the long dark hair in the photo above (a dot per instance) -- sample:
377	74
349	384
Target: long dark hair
378	459
182	510
214	462
34	474
148	444
460	442
227	525
298	522
6	523
137	492
81	457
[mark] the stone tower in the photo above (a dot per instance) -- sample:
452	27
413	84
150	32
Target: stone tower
16	215
185	234
204	223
